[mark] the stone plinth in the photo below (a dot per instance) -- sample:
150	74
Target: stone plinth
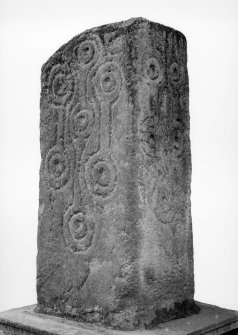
115	234
211	320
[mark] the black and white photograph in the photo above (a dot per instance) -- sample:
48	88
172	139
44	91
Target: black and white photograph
119	167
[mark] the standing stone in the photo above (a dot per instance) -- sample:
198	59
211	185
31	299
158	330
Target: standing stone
115	235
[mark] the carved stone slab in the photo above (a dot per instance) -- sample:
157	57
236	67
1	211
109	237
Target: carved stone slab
211	320
115	235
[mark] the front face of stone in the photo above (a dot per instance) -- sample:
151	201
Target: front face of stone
115	236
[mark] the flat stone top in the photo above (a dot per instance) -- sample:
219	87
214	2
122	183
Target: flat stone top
211	320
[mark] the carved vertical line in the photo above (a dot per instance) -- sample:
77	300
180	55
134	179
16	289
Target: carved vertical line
110	125
61	126
104	125
77	204
89	87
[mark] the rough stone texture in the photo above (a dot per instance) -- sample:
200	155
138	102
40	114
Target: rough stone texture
211	320
115	236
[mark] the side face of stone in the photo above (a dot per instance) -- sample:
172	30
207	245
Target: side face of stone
115	235
165	256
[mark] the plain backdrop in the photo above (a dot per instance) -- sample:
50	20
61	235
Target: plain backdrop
30	32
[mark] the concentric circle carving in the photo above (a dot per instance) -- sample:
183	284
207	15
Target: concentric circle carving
110	80
86	52
82	120
177	138
77	226
148	136
184	99
61	84
164	209
176	74
57	167
152	67
101	176
78	231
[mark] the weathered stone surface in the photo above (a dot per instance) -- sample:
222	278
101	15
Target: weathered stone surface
212	320
115	235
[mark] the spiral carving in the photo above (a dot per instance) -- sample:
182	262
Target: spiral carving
86	52
78	231
109	79
57	167
81	122
61	85
101	175
176	74
152	67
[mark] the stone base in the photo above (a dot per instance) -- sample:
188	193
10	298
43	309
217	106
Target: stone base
211	320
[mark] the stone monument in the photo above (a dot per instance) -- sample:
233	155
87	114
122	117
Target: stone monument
115	232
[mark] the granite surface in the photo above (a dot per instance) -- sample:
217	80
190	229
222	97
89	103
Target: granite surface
115	233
